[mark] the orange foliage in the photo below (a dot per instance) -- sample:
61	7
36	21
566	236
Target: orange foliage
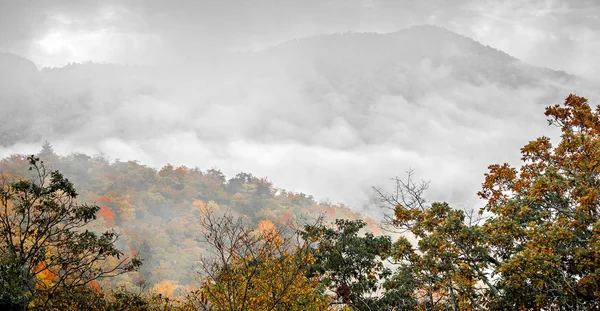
267	230
95	286
372	225
108	216
285	218
331	211
266	226
104	199
181	171
45	275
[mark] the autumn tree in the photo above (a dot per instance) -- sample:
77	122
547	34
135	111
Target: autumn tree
44	244
534	246
254	269
544	227
441	259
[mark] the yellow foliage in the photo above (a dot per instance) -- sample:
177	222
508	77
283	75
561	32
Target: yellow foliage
267	230
165	288
45	276
266	226
212	206
272	277
209	208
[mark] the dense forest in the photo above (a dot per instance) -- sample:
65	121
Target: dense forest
85	233
156	212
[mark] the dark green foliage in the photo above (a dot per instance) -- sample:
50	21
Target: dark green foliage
12	278
350	264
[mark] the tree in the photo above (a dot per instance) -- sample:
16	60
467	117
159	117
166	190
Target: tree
12	293
45	243
544	227
254	269
348	264
47	150
535	245
450	267
235	185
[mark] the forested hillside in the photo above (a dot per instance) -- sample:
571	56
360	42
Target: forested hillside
157	212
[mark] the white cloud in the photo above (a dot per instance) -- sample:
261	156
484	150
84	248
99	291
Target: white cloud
292	122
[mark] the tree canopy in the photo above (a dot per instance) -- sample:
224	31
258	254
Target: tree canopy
535	245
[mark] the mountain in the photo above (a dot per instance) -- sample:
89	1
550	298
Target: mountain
335	71
330	114
368	88
393	52
20	83
20	70
156	212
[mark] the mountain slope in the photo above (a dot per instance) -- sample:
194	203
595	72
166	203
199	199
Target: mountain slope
336	72
157	212
330	115
367	52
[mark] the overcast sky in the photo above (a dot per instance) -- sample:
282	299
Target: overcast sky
557	34
238	122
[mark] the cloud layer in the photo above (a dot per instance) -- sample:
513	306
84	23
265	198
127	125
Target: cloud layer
328	115
562	35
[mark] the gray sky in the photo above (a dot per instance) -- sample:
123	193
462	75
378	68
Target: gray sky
561	35
270	124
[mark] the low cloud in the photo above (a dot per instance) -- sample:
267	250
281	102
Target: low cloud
309	123
556	34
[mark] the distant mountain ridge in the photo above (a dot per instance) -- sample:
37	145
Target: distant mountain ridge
17	70
415	44
434	37
417	94
424	40
8	60
358	70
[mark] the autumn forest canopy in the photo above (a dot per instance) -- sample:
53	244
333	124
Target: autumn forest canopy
84	233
